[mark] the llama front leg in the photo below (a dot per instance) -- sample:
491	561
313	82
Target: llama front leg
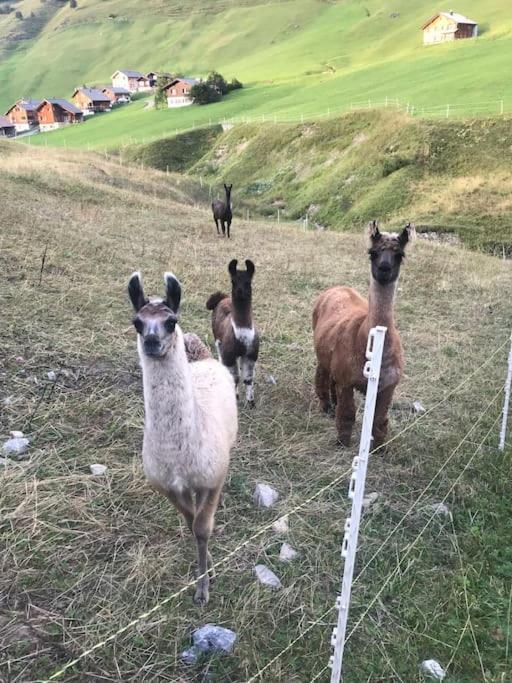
223	226
248	377
184	503
322	384
345	413
233	369
229	227
207	502
217	225
380	421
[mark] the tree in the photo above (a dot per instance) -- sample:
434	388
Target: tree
160	98
202	93
235	84
217	81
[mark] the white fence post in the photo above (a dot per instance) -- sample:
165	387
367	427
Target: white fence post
447	111
374	349
506	402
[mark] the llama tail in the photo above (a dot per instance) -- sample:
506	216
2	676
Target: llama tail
215	300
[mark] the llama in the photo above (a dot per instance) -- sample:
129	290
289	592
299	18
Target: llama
233	328
190	418
222	211
342	319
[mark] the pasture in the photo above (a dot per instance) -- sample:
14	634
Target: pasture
84	555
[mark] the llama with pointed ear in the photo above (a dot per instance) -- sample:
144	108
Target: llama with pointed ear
236	338
190	418
342	319
222	212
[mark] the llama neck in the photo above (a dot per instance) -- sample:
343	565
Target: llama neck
228	201
381	300
242	312
169	400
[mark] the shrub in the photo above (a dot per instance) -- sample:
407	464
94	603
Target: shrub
217	81
160	99
235	84
202	93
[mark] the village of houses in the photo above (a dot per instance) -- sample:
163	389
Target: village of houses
29	116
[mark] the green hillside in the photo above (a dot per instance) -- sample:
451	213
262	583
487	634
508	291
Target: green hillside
296	58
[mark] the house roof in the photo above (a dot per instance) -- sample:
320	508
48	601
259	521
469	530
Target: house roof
454	16
64	104
5	123
28	105
190	81
93	93
116	89
129	73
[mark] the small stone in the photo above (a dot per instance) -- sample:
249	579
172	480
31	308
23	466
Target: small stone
433	669
270	379
51	376
20	359
370	499
98	470
264	496
281	525
17	435
418	408
441	509
15	447
267	577
190	656
287	553
212	638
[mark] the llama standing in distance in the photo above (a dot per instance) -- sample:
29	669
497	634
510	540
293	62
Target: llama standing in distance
233	328
190	418
222	211
342	319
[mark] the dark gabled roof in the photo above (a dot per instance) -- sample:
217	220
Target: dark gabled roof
129	73
28	105
5	123
93	94
64	104
190	81
117	89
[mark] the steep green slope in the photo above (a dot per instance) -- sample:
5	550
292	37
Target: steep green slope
299	57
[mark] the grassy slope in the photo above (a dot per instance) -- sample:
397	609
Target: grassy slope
297	58
84	555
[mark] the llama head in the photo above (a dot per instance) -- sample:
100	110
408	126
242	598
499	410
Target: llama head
387	250
241	280
228	189
155	321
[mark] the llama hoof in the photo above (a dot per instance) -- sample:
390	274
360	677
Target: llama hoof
202	596
344	440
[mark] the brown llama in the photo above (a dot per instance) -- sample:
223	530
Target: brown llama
342	319
222	212
233	328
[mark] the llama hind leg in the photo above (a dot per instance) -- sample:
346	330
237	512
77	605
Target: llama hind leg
248	365
233	369
207	502
223	226
322	385
217	225
184	503
380	421
345	413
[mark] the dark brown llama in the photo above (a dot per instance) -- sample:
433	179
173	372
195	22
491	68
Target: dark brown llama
233	329
342	319
222	212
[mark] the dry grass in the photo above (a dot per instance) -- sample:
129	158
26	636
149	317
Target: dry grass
85	555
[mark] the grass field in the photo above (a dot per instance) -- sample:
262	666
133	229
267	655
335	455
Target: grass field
85	555
300	58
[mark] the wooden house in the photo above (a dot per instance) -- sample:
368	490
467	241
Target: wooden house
144	84
127	79
7	129
116	94
56	113
153	76
23	114
178	92
447	26
91	100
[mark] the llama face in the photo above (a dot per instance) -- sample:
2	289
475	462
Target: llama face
156	320
241	280
387	250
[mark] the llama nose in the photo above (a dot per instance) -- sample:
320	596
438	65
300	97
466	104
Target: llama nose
385	267
151	343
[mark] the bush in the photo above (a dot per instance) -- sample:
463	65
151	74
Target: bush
160	98
202	93
235	84
217	81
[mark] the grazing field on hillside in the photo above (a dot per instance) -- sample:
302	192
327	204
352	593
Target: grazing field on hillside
84	555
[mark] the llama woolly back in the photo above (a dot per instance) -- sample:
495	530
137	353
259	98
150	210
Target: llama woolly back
342	319
190	417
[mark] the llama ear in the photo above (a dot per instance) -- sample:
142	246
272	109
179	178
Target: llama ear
172	291
232	267
373	231
406	235
250	267
135	291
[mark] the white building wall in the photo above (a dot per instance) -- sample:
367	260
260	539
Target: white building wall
178	102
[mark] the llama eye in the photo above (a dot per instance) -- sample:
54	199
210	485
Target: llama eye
373	255
170	324
139	325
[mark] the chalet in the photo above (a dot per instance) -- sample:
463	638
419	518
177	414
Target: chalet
447	26
91	100
178	92
116	94
127	79
55	113
153	76
143	84
7	129
23	115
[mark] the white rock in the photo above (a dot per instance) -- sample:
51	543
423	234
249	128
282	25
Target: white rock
51	376
287	553
281	525
266	576
17	435
98	469
209	638
418	408
270	379
441	509
433	669
17	446
264	496
370	499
